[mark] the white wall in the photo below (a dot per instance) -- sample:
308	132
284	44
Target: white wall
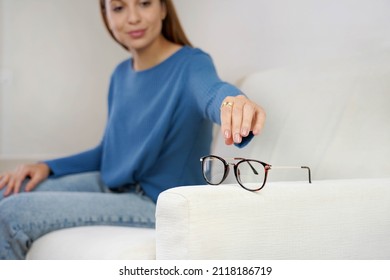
56	57
56	63
248	35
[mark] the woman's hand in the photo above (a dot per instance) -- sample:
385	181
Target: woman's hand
13	180
239	116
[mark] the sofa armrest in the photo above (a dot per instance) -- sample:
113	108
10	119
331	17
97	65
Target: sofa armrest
339	219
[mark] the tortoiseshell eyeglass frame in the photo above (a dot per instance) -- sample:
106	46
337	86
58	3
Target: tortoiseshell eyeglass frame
227	164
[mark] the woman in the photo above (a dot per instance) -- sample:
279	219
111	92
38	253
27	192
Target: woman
161	103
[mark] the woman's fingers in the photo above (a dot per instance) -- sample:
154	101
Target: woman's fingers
239	116
20	174
7	181
34	181
14	180
226	120
258	121
4	178
247	118
10	186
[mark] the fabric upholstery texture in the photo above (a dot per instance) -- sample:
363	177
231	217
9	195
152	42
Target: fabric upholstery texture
333	219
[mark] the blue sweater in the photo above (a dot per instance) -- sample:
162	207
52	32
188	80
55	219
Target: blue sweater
159	124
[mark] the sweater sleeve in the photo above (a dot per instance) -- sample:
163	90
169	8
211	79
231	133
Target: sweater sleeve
87	161
206	87
210	91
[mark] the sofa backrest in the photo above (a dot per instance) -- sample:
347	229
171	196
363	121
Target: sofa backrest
333	116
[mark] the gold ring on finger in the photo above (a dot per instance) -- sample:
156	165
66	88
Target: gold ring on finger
227	103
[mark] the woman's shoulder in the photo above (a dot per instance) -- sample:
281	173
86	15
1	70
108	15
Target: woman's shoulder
121	69
123	65
196	56
195	52
187	53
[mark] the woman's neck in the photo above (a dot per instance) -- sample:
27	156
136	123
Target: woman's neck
149	57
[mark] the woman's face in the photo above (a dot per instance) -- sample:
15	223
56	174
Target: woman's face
136	24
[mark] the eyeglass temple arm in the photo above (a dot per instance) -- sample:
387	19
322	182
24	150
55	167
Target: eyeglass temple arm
293	167
253	169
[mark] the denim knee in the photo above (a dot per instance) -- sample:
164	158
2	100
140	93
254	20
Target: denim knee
14	222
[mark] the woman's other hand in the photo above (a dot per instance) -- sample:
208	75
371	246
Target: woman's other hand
240	116
13	180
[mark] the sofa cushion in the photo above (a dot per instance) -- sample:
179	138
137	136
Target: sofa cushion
95	242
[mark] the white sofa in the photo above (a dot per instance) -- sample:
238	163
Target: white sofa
333	116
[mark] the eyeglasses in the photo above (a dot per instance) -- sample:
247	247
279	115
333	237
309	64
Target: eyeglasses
250	174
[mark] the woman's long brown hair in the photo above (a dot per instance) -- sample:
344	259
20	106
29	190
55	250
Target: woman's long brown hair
171	29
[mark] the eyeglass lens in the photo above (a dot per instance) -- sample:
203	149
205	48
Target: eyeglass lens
251	174
213	170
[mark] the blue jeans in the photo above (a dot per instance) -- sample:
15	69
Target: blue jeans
69	201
